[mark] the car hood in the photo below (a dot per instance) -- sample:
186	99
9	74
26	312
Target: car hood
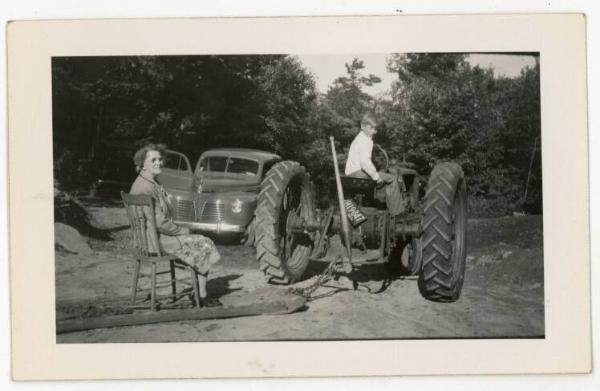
218	184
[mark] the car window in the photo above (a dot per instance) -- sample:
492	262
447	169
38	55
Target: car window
175	161
171	161
242	166
214	163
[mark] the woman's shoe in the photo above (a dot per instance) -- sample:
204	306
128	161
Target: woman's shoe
209	302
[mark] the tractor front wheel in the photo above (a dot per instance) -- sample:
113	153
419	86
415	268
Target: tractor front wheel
405	259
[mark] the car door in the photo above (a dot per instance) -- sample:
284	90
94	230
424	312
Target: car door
176	172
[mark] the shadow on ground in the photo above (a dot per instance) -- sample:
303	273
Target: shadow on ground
220	286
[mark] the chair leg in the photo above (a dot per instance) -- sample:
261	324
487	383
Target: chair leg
153	292
136	275
173	282
195	286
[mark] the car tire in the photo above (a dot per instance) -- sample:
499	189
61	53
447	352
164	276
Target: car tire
444	234
286	195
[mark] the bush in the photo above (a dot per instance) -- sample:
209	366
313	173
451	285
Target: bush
70	211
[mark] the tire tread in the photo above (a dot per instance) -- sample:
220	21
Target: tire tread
267	212
442	274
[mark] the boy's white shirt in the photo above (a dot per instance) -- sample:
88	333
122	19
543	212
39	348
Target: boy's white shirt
359	156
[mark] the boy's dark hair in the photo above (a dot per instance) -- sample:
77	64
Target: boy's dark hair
368	118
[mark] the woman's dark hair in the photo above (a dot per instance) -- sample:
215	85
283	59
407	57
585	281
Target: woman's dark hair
140	154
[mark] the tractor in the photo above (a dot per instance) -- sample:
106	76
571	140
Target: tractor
428	240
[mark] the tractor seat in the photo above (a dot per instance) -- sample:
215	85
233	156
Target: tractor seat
353	185
364	189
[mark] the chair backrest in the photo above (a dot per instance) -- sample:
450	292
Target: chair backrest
140	212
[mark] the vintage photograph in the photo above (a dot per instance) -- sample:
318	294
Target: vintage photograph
295	197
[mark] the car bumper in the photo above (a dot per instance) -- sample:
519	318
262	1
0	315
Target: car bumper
212	227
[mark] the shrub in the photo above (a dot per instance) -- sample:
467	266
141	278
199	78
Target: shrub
70	211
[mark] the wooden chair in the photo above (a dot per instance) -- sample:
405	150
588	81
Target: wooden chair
141	215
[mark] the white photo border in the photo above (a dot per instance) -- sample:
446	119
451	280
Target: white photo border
560	39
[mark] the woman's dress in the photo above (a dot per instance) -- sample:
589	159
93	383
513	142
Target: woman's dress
195	249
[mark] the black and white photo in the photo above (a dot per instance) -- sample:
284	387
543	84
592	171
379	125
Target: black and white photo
249	166
241	195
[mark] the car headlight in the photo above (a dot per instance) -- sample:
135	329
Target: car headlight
236	206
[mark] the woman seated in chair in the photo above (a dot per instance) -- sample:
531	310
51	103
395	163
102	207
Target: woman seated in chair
197	250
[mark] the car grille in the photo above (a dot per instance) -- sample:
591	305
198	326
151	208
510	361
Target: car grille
183	209
211	212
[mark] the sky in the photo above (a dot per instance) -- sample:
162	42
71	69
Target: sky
326	68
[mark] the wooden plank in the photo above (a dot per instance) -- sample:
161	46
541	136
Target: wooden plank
283	305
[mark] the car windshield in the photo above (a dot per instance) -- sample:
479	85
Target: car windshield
214	163
231	165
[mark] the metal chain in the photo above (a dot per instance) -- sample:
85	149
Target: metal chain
324	276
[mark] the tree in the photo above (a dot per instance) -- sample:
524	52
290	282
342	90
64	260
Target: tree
346	95
190	103
522	137
288	92
442	108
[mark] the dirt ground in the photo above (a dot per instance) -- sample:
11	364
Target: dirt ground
503	293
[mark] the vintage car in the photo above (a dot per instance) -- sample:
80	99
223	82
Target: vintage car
219	195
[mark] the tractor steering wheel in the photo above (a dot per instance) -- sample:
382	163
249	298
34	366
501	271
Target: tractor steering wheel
386	157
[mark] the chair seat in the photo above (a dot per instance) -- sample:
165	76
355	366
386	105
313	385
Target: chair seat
161	258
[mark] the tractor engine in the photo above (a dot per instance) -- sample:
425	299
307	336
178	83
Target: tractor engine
366	210
368	235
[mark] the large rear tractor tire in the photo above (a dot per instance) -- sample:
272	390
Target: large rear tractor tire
286	198
444	239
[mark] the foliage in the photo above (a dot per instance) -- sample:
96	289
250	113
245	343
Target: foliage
288	93
182	101
440	108
444	109
347	98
